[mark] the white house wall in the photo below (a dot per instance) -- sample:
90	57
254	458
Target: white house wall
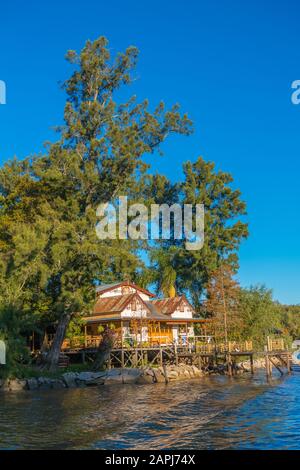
114	292
187	313
118	291
143	296
138	313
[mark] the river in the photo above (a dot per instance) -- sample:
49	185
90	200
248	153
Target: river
209	413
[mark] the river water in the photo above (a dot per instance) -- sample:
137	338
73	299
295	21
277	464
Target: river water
209	413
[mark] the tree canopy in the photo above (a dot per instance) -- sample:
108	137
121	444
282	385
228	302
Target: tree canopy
50	255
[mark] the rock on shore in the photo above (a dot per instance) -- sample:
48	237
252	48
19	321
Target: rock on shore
258	363
147	375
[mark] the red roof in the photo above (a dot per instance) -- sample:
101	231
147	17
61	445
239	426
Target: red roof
113	304
169	305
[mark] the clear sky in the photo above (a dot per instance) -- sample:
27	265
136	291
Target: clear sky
229	64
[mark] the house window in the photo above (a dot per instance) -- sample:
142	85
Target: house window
133	305
181	307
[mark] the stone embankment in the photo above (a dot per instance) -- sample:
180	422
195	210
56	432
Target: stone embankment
258	363
145	375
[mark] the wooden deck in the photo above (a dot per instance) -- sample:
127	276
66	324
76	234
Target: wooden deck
205	360
206	355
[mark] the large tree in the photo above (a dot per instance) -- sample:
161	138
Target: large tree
98	157
261	315
224	228
222	304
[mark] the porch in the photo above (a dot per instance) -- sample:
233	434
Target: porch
142	334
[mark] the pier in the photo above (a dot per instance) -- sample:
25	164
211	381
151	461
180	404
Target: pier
208	357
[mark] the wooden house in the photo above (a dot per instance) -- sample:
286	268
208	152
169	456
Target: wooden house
138	318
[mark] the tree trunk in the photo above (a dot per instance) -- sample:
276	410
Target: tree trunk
52	358
104	348
45	343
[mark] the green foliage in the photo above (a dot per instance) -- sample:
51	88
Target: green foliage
50	255
75	330
12	324
223	306
224	228
261	315
290	321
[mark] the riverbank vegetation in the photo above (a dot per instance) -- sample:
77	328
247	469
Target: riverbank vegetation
50	256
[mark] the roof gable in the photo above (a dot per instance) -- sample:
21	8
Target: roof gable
116	304
171	304
107	287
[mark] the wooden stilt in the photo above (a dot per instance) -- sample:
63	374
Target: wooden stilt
85	336
251	364
165	372
122	347
267	363
275	365
186	333
289	364
229	364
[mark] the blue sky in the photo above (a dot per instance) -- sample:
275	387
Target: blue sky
229	64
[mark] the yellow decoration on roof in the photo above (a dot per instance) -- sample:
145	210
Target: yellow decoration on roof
172	292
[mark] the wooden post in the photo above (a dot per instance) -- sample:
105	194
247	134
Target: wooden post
176	354
121	334
199	362
122	345
159	332
288	363
186	332
160	355
165	372
229	364
135	357
85	336
251	364
267	363
275	365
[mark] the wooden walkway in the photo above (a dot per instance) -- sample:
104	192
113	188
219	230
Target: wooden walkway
228	360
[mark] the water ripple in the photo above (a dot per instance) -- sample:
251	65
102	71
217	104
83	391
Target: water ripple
210	413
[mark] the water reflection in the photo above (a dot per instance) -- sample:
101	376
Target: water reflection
211	413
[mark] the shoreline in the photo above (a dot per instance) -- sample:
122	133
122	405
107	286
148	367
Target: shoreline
118	376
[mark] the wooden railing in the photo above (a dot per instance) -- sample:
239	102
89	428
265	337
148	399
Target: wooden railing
79	342
275	344
90	341
232	346
235	346
195	344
